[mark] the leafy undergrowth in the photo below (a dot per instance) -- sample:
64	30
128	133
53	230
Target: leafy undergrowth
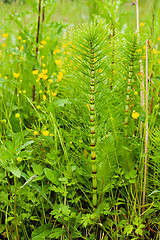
79	133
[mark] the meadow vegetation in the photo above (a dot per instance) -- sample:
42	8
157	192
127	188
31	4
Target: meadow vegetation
79	120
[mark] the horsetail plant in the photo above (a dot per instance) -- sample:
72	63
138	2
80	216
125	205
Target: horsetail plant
130	76
85	85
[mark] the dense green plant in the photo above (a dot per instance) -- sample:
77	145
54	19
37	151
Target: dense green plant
72	157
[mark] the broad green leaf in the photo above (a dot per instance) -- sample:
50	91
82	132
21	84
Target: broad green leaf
41	232
37	168
56	233
52	176
15	170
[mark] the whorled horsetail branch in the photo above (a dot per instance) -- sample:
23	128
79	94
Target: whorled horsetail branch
92	127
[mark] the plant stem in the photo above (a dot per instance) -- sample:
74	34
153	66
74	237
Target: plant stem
15	198
38	27
92	122
146	130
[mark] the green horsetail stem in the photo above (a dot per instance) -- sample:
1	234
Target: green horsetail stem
128	100
92	128
127	106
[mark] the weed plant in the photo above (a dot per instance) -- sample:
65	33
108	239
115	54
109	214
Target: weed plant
79	151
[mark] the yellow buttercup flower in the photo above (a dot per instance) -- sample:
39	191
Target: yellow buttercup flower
0	75
45	77
135	115
35	133
47	38
139	50
5	77
50	80
43	42
5	35
19	38
42	57
22	48
54	93
40	91
58	62
141	24
56	51
24	41
24	91
4	45
35	72
40	75
154	51
100	70
17	115
60	74
45	133
44	65
44	71
44	97
16	75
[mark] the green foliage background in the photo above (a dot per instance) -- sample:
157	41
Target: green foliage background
47	170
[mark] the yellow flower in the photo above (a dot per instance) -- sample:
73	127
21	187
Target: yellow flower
38	79
5	35
16	75
17	115
59	78
44	65
154	51
42	57
40	75
38	107
40	91
24	91
45	133
24	41
58	62
50	80
60	74
159	61
64	45
54	93
41	46
20	91
139	50
56	51
35	133
43	42
35	72
0	75
4	45
135	114
100	70
44	71
22	48
141	24
19	38
5	77
144	47
47	38
74	46
45	77
44	97
21	58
